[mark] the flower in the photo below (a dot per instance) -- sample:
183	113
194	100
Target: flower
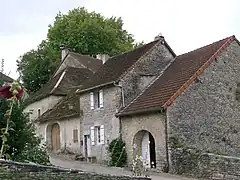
6	93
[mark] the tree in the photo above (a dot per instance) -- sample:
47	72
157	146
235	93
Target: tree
84	32
36	66
22	142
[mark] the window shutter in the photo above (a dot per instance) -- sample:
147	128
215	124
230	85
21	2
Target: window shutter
92	100
101	98
92	136
102	134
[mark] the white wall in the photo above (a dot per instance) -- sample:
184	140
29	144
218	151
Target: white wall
66	133
43	104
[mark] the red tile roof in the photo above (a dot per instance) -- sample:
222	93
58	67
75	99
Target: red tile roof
176	78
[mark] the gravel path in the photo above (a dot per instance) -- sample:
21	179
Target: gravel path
66	163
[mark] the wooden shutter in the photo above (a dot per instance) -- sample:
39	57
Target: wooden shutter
102	134
75	135
92	100
101	98
92	136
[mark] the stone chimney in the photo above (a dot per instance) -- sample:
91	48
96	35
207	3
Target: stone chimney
103	57
64	52
159	37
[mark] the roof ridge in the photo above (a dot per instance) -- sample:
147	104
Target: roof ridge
200	70
204	46
151	83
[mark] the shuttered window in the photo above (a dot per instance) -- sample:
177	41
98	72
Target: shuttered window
92	136
101	98
75	135
92	100
102	134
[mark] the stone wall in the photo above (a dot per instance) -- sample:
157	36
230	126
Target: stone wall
206	115
14	171
208	166
152	123
153	63
101	116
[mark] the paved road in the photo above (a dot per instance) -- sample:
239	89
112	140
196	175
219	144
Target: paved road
66	163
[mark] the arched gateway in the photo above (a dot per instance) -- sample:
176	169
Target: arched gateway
144	145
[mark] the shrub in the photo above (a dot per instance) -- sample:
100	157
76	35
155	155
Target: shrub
117	152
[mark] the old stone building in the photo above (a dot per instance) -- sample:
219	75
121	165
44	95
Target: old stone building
119	80
73	70
193	104
151	98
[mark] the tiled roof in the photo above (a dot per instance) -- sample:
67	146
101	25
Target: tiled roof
176	78
5	78
116	66
91	63
68	107
72	77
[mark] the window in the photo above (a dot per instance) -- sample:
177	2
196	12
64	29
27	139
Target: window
39	112
96	99
97	135
75	135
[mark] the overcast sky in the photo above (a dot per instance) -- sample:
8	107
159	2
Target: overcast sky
185	24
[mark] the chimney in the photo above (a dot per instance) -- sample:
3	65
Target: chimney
159	37
103	57
64	52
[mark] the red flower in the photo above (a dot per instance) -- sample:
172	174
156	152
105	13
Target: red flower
7	94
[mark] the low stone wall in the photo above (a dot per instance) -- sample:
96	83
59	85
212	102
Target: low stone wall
208	166
15	171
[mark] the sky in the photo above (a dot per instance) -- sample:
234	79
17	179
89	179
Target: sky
185	24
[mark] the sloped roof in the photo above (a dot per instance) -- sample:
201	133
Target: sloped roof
5	78
68	107
91	63
115	66
67	78
176	78
88	62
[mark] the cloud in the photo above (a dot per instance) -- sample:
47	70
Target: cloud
185	24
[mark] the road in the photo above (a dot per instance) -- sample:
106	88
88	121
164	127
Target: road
66	163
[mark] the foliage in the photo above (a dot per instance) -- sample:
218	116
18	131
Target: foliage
117	152
36	66
138	168
23	139
83	32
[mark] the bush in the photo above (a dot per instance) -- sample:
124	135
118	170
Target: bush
22	143
117	152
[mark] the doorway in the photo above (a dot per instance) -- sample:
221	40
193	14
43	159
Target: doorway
144	145
55	137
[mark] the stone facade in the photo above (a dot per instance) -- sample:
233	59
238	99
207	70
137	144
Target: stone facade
153	123
133	82
67	141
153	63
192	163
206	115
101	116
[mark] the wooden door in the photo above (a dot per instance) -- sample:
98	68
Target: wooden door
55	137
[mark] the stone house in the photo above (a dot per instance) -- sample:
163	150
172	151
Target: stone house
120	79
73	70
194	103
151	98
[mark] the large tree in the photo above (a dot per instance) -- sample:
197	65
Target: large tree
83	32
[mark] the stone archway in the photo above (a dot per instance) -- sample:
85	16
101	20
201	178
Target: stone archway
144	145
53	137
